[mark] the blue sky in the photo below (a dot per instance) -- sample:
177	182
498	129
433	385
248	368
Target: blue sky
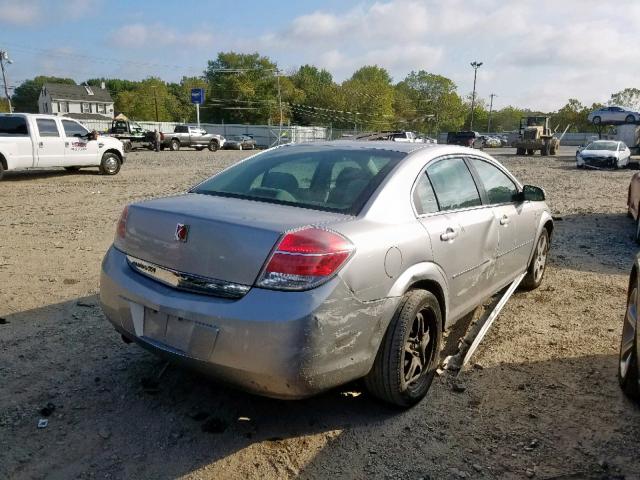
536	53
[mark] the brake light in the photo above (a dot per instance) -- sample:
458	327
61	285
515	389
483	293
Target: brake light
121	230
305	259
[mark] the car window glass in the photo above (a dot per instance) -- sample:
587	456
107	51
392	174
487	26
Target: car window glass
453	184
47	127
308	176
73	129
13	127
499	187
423	197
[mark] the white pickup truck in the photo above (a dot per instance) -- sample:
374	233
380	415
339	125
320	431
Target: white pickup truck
41	141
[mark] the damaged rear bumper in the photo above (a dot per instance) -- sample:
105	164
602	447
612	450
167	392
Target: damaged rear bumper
273	343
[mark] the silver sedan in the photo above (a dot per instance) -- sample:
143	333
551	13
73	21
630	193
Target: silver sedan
307	266
628	367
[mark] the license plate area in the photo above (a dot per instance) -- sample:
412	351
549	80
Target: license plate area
191	338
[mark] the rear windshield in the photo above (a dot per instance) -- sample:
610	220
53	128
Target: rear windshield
13	127
318	177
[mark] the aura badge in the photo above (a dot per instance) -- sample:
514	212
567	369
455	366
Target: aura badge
182	232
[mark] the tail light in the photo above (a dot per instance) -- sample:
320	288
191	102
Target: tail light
305	259
121	230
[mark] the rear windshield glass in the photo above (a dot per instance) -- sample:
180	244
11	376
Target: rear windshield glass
13	127
318	177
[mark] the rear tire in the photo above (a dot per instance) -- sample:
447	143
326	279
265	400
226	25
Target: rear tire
110	164
520	151
214	145
630	119
545	150
628	369
175	145
127	146
596	120
1	171
409	354
538	265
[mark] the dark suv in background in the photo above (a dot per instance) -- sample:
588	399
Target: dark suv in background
465	139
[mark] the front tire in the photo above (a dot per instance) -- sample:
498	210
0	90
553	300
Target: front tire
110	164
628	369
630	119
214	145
596	120
538	265
409	354
520	151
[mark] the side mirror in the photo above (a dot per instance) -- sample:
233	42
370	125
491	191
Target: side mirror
530	193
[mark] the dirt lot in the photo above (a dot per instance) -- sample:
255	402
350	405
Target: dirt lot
542	401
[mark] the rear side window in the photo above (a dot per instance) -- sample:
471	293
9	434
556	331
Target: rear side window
453	184
318	177
47	127
499	187
13	127
424	198
73	129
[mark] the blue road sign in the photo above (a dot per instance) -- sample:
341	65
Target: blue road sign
197	95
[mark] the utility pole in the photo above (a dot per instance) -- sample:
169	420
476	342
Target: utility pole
279	105
155	99
4	57
490	110
476	66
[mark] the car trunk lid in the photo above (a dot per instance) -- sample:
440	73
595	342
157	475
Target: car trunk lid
222	238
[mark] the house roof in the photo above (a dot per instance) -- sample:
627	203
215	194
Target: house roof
87	116
77	92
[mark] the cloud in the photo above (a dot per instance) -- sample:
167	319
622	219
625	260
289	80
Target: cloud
13	13
143	36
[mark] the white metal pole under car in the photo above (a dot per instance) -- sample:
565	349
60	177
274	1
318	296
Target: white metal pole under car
4	57
476	66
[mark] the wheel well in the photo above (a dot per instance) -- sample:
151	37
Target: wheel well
3	161
436	289
549	227
117	154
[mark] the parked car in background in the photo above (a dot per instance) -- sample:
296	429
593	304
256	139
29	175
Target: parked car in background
310	265
240	142
426	139
29	141
194	137
613	115
603	154
628	365
489	141
466	139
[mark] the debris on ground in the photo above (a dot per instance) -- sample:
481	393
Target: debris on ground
47	410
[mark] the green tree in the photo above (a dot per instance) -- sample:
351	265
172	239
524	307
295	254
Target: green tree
429	102
506	119
25	96
314	96
369	95
243	88
575	115
480	113
140	103
628	98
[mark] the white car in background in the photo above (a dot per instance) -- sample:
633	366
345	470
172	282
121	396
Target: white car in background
603	154
613	115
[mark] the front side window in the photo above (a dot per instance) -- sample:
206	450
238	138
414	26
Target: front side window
317	177
424	198
73	129
499	187
13	127
47	127
453	184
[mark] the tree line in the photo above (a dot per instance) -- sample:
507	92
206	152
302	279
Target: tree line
249	88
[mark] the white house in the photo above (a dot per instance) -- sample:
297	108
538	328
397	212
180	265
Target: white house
81	102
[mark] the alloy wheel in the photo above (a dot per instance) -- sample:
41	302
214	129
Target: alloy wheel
541	258
418	348
629	333
111	164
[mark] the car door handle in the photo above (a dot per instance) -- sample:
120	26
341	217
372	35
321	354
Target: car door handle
66	144
41	144
448	235
505	220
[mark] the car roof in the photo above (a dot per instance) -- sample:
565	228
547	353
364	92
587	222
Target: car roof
402	147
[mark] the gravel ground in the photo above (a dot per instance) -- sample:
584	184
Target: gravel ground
541	401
